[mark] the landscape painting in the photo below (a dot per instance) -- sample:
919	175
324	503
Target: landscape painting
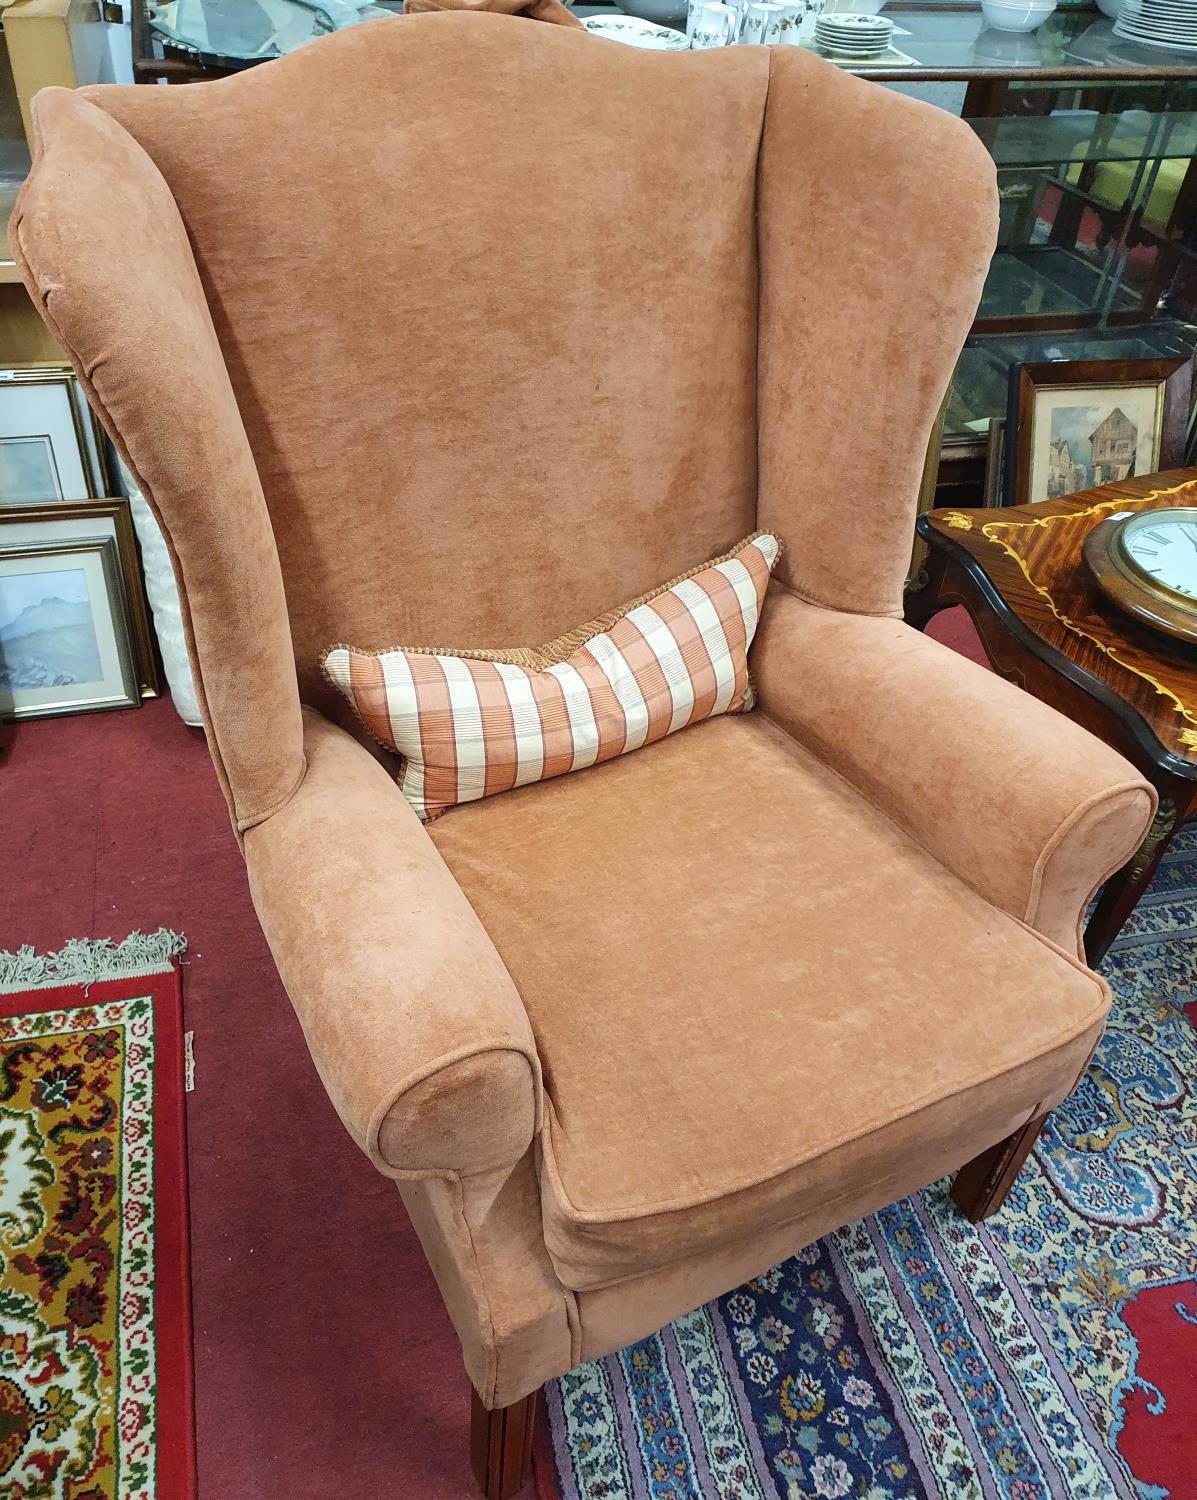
27	472
1086	437
47	632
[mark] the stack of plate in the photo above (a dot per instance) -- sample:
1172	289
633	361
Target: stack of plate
1159	23
852	35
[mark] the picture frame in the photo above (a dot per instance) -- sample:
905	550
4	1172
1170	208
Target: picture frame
995	455
64	643
1075	424
928	482
56	525
52	448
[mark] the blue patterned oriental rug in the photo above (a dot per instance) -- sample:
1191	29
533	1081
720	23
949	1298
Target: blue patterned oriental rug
1050	1352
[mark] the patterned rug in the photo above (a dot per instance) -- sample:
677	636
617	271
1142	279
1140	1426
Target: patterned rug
1051	1352
95	1341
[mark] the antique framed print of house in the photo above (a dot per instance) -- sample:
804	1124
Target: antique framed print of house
1079	423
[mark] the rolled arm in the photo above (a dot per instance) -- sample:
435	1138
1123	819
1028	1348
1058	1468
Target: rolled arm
1025	806
414	1024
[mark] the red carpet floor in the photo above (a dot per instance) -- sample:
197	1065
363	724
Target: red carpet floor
325	1363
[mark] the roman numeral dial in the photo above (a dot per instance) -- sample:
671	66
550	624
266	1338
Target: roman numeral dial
1164	550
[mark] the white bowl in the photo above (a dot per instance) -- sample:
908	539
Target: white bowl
1016	15
1111	8
1008	48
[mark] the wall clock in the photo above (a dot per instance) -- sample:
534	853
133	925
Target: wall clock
1147	565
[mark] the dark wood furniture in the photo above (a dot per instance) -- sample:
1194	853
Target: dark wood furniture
1045	625
501	1445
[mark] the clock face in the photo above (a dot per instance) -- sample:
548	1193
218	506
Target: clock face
1164	549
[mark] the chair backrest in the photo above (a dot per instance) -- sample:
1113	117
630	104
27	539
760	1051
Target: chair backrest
450	323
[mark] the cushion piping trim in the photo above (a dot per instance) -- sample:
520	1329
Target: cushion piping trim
643	1211
874	1183
1107	795
562	647
395	1095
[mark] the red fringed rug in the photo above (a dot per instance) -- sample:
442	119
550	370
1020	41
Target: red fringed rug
95	1322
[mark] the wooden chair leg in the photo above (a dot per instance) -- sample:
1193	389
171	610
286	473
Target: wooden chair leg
501	1446
982	1184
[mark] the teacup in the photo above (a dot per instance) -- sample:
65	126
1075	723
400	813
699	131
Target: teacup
769	22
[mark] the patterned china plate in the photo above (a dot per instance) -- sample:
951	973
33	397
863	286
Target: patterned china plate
634	32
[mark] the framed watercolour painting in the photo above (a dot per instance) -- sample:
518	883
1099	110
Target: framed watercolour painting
51	447
49	531
1074	424
64	643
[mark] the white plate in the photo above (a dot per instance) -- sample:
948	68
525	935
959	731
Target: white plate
1139	19
634	32
1187	35
1132	34
857	23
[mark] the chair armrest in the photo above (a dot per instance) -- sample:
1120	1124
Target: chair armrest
414	1024
1025	806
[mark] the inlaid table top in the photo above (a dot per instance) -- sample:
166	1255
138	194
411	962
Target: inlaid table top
1026	562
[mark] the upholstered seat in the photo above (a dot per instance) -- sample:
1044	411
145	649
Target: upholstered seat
721	929
461	330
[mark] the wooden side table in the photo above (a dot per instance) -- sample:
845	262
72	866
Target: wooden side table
1019	573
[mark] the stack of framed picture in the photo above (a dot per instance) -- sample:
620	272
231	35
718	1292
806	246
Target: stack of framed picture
1075	424
74	633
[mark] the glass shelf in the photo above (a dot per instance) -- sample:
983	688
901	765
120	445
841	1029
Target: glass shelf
1086	135
947	44
248	31
1070	45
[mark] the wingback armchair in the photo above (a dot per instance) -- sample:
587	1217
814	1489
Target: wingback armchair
463	328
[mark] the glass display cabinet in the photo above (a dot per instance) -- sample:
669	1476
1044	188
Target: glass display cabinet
1096	248
1093	137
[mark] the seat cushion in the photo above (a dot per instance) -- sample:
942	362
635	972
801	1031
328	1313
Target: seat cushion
752	994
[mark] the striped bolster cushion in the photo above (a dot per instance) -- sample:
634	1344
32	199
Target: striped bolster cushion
472	723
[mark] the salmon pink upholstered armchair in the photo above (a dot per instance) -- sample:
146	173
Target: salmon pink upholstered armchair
463	328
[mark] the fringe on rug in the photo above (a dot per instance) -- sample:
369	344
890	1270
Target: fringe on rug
88	960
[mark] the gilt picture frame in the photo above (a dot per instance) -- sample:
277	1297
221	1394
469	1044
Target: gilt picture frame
1076	424
52	448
